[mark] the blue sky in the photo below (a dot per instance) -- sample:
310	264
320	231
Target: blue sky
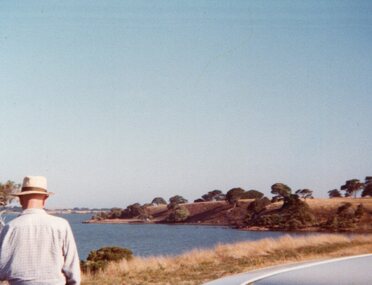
121	101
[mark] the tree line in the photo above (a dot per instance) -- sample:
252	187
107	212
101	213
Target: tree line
352	187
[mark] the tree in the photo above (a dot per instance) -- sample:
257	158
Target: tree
367	190
334	193
158	201
368	180
281	191
177	200
305	193
179	214
215	195
221	197
199	200
100	216
135	211
352	187
233	195
291	202
252	194
115	213
6	190
294	214
367	187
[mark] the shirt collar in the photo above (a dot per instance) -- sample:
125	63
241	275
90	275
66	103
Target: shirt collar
33	211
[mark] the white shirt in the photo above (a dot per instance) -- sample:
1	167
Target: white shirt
38	249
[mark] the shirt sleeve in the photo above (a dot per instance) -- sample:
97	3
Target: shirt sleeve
3	232
71	267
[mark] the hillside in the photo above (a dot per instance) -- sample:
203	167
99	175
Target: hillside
338	214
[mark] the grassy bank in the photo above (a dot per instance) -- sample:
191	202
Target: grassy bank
198	266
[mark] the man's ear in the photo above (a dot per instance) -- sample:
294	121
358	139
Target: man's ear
45	198
20	200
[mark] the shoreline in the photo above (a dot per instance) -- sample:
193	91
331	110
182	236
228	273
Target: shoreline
117	221
252	228
221	214
138	221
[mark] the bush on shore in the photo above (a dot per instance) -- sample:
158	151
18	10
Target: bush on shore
178	214
99	259
346	218
201	265
293	215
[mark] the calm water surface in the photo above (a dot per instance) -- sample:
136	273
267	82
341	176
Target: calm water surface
149	239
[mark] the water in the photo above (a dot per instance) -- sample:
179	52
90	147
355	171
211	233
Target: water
150	239
159	239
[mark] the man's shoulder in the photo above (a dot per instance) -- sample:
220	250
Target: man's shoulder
44	218
57	219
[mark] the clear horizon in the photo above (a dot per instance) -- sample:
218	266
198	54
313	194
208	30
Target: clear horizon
119	102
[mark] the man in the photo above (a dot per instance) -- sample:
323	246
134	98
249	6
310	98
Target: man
37	248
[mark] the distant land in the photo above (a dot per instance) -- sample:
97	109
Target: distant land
344	211
75	210
318	215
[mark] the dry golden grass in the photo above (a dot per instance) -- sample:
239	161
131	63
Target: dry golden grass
325	208
337	202
198	266
327	205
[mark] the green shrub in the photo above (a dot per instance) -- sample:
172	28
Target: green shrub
98	259
178	214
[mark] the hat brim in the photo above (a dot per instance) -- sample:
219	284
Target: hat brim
32	192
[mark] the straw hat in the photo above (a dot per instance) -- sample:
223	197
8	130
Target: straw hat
34	185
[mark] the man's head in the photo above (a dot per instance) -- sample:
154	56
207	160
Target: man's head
32	201
34	192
